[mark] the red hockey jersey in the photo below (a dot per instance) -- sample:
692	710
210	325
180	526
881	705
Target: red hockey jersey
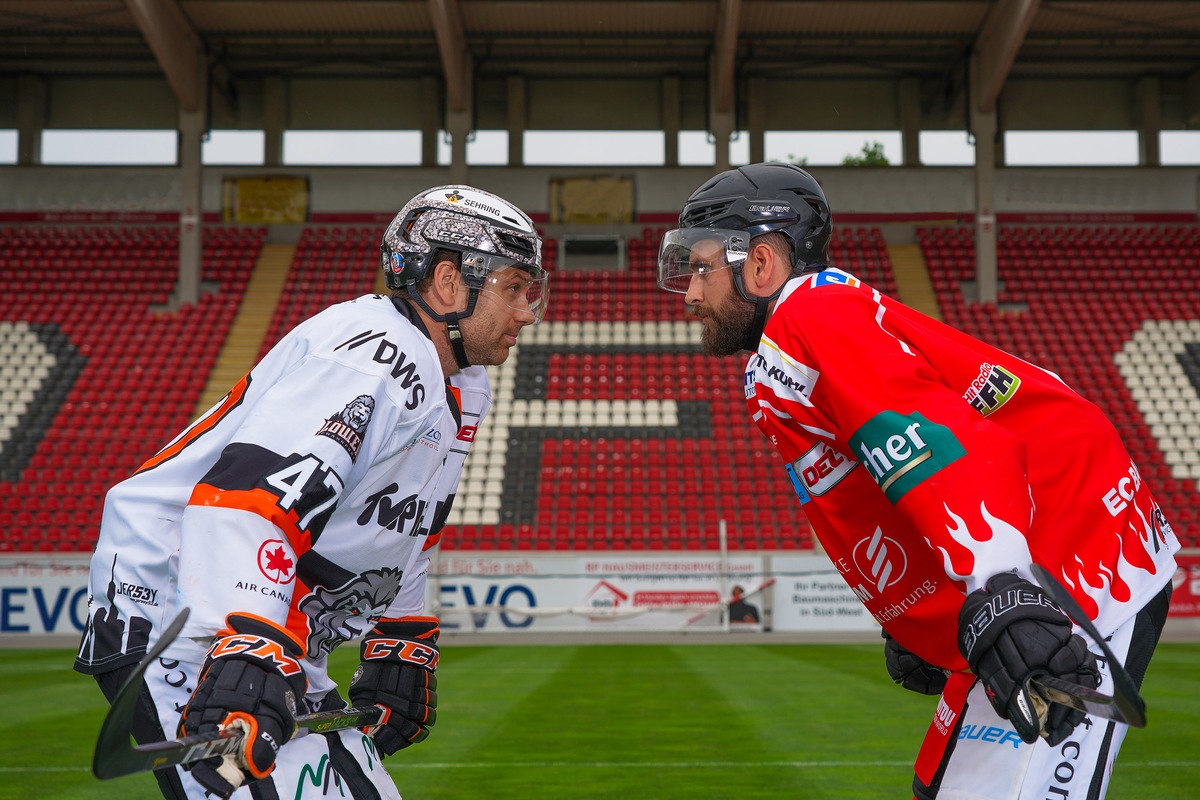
928	461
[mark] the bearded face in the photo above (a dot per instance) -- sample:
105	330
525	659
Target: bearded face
727	325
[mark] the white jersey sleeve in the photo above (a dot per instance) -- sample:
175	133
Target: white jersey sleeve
306	496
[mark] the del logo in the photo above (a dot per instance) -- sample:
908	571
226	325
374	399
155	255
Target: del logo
822	468
274	562
994	387
901	451
467	433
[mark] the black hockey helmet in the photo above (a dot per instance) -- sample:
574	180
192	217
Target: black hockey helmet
761	198
730	209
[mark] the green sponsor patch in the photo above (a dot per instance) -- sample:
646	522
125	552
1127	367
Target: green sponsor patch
901	451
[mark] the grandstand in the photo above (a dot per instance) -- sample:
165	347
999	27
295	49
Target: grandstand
635	404
613	433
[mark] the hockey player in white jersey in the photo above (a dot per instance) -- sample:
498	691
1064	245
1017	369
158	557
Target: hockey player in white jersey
298	513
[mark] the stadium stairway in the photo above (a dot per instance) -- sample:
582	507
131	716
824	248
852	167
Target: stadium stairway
255	312
913	284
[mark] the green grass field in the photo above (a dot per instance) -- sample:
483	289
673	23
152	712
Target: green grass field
623	721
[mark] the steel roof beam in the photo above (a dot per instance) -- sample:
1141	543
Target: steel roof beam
452	46
999	40
176	46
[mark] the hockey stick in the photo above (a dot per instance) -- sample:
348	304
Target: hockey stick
1125	705
117	755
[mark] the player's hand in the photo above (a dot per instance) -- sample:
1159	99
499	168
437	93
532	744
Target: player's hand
1011	630
910	670
251	679
397	673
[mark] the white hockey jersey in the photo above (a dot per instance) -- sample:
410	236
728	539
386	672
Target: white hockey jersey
310	495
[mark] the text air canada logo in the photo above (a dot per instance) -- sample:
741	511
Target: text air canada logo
994	387
900	451
274	562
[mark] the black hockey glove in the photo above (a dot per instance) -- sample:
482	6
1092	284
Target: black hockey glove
398	660
1011	630
910	670
251	678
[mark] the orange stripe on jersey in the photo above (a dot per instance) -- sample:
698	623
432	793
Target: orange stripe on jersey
260	502
202	425
430	541
297	621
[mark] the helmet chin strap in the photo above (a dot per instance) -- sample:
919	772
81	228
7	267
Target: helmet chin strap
451	318
762	304
456	340
750	344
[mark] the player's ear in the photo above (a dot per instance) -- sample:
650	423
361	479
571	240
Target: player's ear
447	290
763	269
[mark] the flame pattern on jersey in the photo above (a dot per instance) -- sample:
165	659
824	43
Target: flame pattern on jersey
928	461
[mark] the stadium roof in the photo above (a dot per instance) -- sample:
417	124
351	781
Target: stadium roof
600	37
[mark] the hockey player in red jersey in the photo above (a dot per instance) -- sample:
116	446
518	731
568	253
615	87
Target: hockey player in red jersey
949	467
299	513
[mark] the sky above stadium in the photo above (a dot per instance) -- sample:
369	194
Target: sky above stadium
628	148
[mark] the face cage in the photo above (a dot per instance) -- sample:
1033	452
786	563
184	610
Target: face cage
679	263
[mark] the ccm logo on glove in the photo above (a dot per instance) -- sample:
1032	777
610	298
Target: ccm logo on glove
256	647
404	650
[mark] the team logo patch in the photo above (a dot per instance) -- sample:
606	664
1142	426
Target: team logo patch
831	277
821	468
901	451
274	562
880	559
348	426
994	387
336	615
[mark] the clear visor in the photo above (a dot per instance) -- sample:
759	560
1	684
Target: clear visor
516	285
688	253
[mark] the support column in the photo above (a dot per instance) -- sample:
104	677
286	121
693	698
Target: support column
275	119
458	125
909	99
192	127
431	116
983	125
669	113
756	118
1148	114
31	119
518	113
1191	99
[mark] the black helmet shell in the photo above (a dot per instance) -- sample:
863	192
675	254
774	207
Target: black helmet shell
762	198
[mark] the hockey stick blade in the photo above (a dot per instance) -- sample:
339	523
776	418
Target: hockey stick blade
1087	700
117	755
1125	698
